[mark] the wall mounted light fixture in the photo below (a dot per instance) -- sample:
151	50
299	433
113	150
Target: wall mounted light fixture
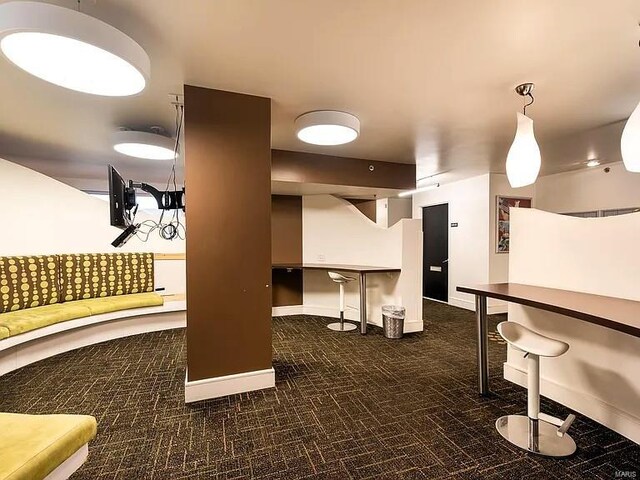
409	193
523	159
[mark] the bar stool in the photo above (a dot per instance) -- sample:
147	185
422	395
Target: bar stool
342	326
537	432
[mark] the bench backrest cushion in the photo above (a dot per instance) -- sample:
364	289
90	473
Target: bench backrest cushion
29	281
84	275
95	275
133	273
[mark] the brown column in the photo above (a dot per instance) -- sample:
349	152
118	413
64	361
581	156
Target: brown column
286	247
228	184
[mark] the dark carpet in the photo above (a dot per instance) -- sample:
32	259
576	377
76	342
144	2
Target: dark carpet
345	406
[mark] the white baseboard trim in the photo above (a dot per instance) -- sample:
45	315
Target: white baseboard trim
494	309
471	305
287	310
462	303
208	388
350	315
595	408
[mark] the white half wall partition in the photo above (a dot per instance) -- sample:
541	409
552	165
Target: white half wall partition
598	376
334	231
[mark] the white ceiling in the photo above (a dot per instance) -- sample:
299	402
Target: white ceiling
431	80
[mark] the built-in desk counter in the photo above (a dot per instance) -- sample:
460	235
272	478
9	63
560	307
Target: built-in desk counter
361	270
610	312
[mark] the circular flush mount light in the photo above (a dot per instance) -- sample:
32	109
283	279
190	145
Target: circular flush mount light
327	127
72	50
150	146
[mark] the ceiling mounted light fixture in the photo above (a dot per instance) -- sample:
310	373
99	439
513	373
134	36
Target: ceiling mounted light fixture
409	193
72	50
147	145
327	127
523	159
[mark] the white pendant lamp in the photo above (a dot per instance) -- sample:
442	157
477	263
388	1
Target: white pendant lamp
147	145
327	127
71	49
523	159
630	142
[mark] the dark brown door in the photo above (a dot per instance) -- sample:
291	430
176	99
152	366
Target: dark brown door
435	248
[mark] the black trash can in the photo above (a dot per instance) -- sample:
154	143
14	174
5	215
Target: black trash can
393	321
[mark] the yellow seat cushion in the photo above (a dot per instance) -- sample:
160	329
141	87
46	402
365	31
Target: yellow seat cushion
22	321
120	302
32	446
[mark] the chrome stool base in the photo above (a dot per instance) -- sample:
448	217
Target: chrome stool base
344	327
516	429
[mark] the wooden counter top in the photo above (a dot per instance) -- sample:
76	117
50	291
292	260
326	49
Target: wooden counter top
615	313
334	266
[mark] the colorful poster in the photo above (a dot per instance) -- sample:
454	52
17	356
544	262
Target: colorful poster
503	204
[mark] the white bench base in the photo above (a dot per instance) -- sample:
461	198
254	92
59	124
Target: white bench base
70	465
36	345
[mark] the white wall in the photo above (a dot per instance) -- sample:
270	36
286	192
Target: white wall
334	231
42	215
598	376
468	202
588	189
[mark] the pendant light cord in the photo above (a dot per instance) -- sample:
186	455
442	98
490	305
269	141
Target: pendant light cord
524	110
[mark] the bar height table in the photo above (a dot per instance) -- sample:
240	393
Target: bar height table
610	312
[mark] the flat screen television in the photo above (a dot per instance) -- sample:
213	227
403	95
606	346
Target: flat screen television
121	199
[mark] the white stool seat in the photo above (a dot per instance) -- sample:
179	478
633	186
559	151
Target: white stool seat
342	326
529	341
336	277
537	432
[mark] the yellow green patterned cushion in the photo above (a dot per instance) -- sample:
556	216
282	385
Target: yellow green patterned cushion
28	282
94	275
130	273
84	275
121	302
38	317
4	332
32	446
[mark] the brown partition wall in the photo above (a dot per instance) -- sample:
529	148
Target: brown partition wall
286	247
228	183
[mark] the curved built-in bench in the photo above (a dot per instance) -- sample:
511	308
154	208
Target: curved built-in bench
50	304
29	347
49	447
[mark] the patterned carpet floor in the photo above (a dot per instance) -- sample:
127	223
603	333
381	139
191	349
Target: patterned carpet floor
345	406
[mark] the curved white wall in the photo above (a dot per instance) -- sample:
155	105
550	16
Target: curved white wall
334	231
598	376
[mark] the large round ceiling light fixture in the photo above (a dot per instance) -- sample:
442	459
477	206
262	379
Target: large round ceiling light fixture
327	127
150	146
523	159
72	50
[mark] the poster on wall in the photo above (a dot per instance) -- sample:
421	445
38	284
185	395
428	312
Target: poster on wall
503	204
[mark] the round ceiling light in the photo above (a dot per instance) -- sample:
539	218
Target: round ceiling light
327	127
150	146
72	50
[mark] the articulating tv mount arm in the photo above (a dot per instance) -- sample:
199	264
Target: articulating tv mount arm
168	200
